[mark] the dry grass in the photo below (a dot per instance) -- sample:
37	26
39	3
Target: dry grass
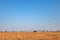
29	35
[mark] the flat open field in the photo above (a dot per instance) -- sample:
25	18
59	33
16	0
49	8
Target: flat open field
29	35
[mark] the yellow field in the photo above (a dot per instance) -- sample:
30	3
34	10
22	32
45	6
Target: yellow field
29	35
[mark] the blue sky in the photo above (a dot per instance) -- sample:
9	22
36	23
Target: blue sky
17	15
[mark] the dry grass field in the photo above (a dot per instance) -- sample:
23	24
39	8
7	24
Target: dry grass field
29	35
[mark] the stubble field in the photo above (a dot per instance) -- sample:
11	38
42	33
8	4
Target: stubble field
29	35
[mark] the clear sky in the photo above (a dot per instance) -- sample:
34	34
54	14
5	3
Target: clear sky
20	15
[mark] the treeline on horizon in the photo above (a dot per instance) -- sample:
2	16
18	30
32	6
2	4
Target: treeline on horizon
32	31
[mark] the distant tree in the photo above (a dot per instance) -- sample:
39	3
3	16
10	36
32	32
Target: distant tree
34	31
6	31
58	31
43	31
1	31
13	31
21	31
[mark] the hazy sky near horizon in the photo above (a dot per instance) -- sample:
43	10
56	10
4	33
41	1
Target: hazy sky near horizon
17	15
